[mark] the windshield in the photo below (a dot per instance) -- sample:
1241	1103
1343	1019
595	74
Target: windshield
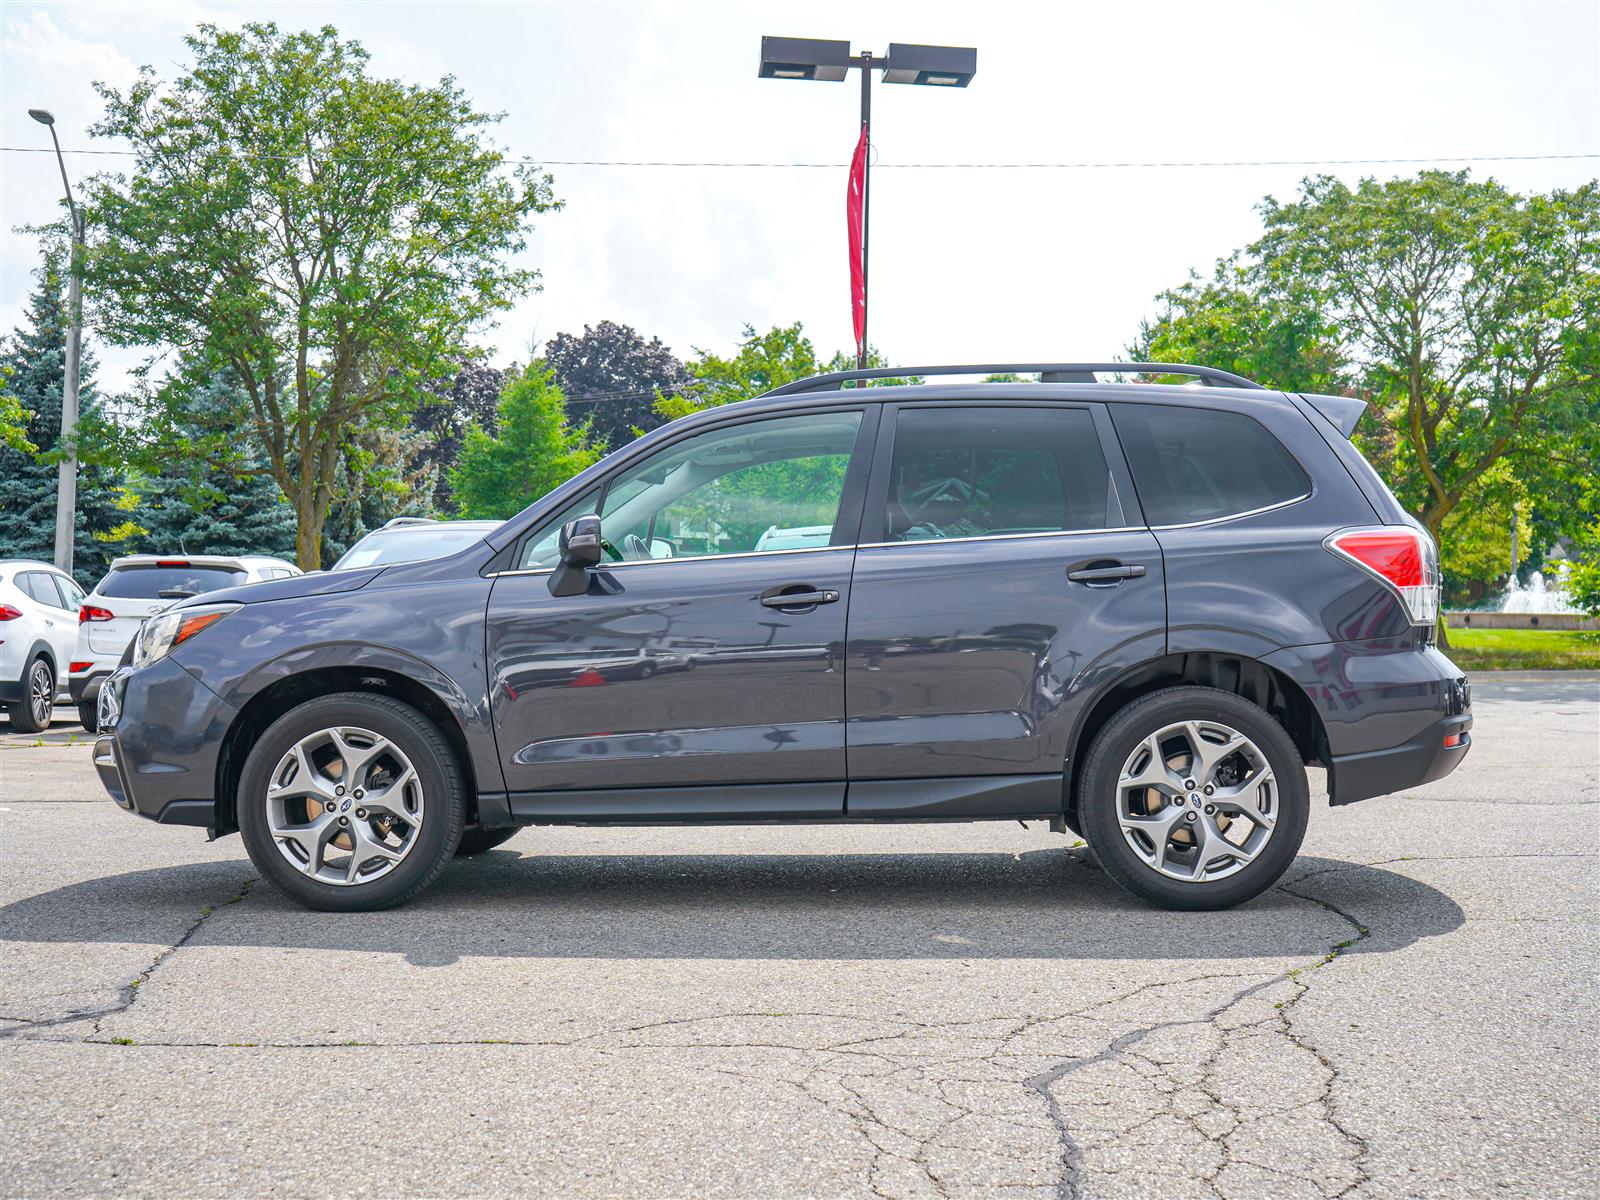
388	546
147	583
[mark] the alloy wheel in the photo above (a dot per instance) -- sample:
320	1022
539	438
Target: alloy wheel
1197	801
41	694
344	805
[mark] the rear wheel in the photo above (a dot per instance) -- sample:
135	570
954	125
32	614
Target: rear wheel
1194	798
89	716
32	713
351	802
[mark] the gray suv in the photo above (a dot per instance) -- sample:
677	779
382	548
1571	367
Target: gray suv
1133	611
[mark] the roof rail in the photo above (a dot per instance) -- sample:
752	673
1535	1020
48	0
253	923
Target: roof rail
402	522
1048	373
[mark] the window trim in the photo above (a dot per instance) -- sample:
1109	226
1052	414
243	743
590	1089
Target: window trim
876	503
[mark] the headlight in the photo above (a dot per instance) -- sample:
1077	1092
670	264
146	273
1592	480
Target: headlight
161	633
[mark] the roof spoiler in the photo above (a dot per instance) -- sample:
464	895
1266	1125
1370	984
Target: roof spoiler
1342	412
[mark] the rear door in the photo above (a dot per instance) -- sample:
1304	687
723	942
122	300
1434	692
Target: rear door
1003	573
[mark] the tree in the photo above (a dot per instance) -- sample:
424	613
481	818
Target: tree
537	448
193	504
469	395
1467	316
329	237
32	367
611	375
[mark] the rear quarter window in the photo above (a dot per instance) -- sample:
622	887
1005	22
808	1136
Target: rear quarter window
1196	464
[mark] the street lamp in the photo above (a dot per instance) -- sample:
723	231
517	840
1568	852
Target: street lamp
829	61
67	469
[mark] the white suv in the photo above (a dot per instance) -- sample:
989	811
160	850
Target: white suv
135	589
38	632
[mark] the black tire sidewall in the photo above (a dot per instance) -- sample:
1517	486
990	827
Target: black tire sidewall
1098	796
436	768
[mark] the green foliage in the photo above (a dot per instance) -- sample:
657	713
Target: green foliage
329	237
537	448
762	362
13	418
1583	586
1466	315
32	363
194	504
1524	649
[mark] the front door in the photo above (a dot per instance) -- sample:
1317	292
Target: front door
1001	577
709	648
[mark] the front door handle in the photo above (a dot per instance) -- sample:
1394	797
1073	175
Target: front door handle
1108	576
799	599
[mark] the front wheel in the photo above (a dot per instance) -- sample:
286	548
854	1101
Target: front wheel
351	802
1194	798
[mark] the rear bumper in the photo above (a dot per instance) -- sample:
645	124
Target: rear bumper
157	757
1386	709
85	688
1421	760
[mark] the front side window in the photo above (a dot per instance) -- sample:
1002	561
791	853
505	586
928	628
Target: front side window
1197	464
991	472
762	485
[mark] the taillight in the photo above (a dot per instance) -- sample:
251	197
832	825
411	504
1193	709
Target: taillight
7	613
79	668
90	613
1402	557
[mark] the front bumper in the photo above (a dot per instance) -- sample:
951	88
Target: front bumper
161	733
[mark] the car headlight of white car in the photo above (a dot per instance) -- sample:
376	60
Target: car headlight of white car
161	634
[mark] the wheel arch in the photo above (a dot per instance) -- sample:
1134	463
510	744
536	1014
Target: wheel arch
1264	685
278	697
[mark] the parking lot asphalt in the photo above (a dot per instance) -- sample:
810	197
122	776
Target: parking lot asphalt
921	1010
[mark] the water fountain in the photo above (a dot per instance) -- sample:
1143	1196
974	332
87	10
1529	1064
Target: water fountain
1538	596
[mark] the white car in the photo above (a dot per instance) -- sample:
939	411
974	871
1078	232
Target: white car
38	634
412	539
135	589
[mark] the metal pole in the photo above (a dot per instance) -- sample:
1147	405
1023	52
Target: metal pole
67	469
866	192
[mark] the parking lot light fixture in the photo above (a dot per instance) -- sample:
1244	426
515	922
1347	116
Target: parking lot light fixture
819	60
67	469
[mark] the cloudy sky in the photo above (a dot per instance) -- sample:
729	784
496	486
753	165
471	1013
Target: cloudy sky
971	264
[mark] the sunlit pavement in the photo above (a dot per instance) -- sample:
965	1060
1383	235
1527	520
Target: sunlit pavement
962	1010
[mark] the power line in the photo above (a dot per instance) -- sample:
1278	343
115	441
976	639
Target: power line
1084	165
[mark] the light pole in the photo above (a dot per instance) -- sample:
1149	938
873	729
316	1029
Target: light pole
67	469
830	61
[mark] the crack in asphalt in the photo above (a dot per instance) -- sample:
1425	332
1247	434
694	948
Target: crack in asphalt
128	992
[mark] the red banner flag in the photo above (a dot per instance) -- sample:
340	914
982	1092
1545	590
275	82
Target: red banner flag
854	209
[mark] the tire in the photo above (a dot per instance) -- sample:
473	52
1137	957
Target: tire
475	839
89	717
32	713
396	871
1117	826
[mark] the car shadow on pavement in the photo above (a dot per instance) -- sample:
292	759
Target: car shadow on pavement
1053	904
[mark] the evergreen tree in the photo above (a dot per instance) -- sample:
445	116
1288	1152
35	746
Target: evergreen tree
537	449
32	366
195	503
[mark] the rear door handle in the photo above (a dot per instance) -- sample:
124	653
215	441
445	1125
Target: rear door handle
800	599
1105	576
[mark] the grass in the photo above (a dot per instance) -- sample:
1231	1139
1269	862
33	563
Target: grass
1524	649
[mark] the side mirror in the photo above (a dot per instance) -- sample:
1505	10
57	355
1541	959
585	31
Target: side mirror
579	550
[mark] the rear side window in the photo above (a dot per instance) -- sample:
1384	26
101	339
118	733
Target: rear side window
147	583
990	472
1195	464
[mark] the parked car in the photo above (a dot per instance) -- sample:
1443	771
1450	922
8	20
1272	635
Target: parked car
134	589
38	634
1129	610
412	539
